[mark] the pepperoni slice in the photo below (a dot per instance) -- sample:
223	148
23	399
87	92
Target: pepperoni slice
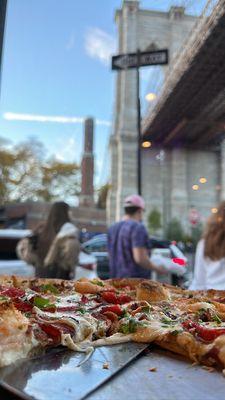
84	299
68	308
12	292
124	298
55	330
22	306
52	331
111	297
114	308
204	333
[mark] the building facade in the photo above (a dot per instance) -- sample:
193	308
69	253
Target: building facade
167	174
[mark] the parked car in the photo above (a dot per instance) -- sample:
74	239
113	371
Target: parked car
98	247
10	264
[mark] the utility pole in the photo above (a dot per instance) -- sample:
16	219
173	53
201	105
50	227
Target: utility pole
3	6
139	175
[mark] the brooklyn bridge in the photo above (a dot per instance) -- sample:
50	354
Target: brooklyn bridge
183	164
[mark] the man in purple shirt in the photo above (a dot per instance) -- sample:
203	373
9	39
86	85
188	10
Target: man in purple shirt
128	243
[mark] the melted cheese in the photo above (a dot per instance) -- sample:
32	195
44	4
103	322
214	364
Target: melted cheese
84	325
201	306
153	330
67	301
85	346
114	339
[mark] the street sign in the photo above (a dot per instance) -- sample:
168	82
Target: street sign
194	216
141	59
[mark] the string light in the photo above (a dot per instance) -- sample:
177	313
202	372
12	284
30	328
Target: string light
203	180
195	187
146	144
150	96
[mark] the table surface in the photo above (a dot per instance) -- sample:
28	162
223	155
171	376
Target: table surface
175	377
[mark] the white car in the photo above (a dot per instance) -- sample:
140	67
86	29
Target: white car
10	264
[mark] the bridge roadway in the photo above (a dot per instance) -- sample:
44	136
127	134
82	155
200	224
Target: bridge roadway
190	110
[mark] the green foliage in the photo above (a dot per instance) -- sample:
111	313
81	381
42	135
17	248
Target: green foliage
102	195
154	220
174	230
196	233
194	236
27	174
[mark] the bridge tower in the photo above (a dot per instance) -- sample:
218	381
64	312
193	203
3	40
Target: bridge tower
143	29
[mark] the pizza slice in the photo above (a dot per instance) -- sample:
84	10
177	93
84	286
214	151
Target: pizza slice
38	314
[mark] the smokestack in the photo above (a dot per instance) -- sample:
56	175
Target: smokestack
87	165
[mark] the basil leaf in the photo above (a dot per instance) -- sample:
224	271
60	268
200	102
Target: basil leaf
217	319
132	325
124	329
40	302
146	309
96	282
3	298
49	288
81	310
129	327
176	332
27	314
166	320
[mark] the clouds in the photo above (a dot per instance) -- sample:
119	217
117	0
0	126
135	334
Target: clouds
66	149
60	119
100	45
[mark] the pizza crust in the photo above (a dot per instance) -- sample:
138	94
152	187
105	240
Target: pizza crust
15	340
152	291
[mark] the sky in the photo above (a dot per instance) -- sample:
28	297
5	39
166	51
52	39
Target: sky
56	71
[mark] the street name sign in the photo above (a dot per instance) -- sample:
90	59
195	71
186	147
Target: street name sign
140	59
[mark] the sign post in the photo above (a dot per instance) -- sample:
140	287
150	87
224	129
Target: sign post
194	216
136	60
3	7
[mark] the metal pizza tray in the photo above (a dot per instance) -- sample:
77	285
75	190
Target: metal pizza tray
156	375
58	375
162	375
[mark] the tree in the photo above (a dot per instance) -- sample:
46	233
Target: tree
59	180
154	220
196	233
174	230
102	195
27	174
7	161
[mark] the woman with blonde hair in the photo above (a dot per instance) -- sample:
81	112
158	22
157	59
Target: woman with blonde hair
209	270
53	248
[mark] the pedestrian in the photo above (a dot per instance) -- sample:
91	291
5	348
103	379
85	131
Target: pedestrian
128	243
209	268
53	248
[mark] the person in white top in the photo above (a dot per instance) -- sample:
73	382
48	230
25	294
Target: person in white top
209	269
